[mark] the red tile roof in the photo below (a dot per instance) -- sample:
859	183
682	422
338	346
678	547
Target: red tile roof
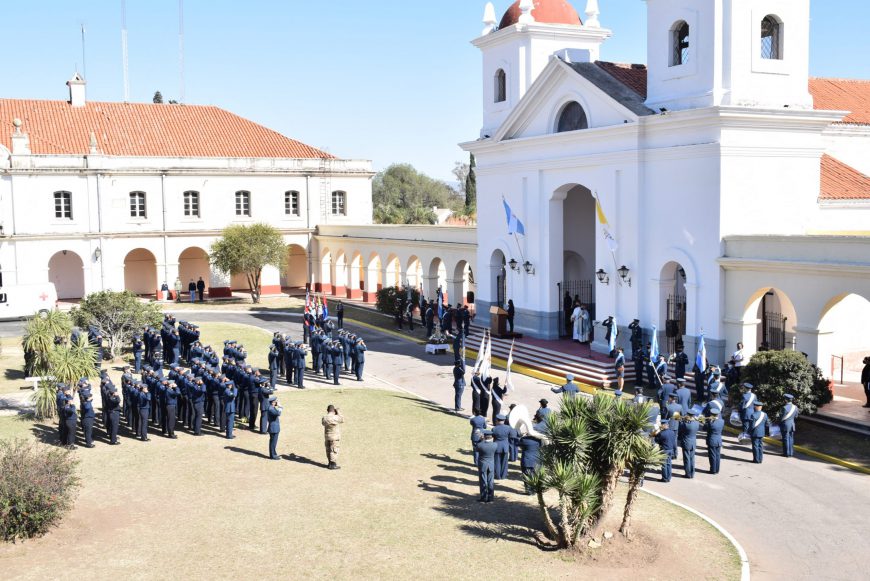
842	182
145	130
828	94
843	95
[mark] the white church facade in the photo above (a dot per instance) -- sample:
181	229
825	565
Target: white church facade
734	187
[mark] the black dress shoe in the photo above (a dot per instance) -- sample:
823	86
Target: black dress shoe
89	445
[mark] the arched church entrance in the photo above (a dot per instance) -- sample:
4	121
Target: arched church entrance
672	305
578	251
498	274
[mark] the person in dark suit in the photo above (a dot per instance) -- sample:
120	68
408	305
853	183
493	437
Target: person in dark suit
200	289
511	312
274	413
667	442
714	427
688	434
681	361
458	384
339	312
486	450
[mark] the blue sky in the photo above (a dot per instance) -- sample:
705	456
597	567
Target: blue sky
387	80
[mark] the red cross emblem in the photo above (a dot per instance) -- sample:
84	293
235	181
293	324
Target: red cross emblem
43	296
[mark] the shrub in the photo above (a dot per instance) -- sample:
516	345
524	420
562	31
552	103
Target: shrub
37	487
117	315
775	373
389	297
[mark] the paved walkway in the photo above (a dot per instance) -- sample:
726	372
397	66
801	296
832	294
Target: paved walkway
797	519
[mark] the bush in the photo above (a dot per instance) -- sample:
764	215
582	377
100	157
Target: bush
37	486
117	315
775	373
389	297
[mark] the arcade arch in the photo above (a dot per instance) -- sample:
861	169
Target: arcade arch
498	278
673	302
296	275
140	272
192	264
774	316
66	271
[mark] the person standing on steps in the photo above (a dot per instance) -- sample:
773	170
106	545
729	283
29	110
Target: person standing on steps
511	312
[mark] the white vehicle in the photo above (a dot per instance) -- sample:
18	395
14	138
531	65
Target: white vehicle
25	300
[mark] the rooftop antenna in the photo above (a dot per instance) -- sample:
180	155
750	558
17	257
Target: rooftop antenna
124	51
84	60
181	50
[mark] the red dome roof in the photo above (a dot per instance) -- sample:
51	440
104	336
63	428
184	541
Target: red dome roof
545	11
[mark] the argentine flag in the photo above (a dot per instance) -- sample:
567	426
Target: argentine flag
614	331
440	299
701	357
514	224
654	347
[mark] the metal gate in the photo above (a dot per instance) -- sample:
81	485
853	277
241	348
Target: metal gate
581	290
675	324
773	331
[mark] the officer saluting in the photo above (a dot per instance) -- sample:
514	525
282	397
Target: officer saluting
458	383
667	441
274	412
757	428
787	425
486	466
569	389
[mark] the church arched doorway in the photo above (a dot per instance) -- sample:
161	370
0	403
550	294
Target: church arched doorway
672	305
498	278
775	318
66	271
577	283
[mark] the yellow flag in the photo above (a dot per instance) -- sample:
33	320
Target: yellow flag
602	219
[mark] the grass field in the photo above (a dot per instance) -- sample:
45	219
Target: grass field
12	365
255	340
239	304
403	504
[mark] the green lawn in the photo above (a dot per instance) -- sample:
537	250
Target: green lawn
12	365
403	503
255	340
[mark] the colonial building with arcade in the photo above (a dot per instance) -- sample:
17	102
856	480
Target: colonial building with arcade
733	187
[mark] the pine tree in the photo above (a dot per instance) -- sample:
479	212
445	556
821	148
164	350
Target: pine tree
471	189
158	98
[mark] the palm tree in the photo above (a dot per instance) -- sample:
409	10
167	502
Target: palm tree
646	456
40	335
73	361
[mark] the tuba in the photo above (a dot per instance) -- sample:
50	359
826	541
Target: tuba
521	421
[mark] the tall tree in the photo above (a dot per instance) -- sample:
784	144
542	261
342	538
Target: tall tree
158	98
117	315
246	250
471	188
402	195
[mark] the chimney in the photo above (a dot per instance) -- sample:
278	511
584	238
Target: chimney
20	140
76	91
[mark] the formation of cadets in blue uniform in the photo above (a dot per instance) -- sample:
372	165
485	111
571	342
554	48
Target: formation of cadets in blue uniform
222	390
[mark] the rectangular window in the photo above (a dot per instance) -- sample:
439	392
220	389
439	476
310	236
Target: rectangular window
243	203
63	205
291	203
191	204
137	205
339	204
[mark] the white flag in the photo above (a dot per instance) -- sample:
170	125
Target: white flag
480	354
486	364
508	385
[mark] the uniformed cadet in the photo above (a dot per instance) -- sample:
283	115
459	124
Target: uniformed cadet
299	363
337	361
713	406
569	389
332	435
688	433
486	450
266	392
198	396
68	415
684	396
787	425
530	460
88	417
667	441
485	395
476	388
681	360
757	429
661	370
498	393
619	365
673	413
274	413
230	393
664	393
144	399
254	396
274	365
169	417
360	358
501	434
478	424
112	405
543	411
714	427
747	404
458	383
137	353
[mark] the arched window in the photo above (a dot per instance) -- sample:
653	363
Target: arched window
500	86
679	43
771	38
572	118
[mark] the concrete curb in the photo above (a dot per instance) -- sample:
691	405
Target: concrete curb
744	558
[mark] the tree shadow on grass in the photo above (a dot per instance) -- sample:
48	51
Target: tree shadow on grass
45	433
504	519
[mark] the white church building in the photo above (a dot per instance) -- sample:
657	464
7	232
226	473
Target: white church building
110	195
734	187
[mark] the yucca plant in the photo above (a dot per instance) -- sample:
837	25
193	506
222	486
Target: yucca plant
645	456
44	402
73	361
40	335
